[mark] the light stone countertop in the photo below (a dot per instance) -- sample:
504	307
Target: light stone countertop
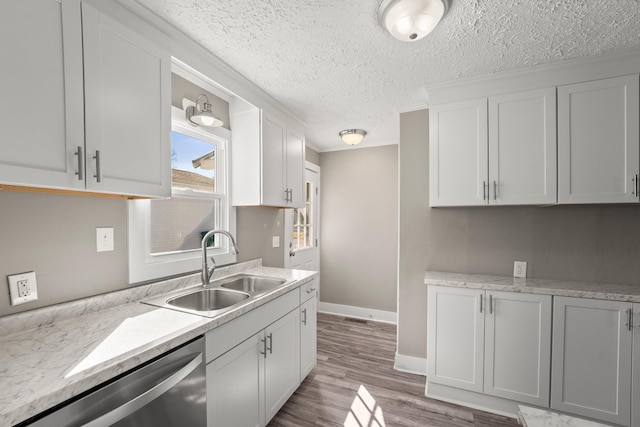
534	417
51	354
605	291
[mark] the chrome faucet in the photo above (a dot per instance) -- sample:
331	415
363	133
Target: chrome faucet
206	271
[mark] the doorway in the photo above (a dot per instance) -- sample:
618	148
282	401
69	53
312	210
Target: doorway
302	226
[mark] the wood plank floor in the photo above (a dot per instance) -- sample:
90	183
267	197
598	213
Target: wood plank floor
354	384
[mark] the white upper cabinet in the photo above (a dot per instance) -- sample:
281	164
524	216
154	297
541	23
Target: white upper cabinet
267	159
598	140
41	112
127	108
102	96
522	148
458	164
503	154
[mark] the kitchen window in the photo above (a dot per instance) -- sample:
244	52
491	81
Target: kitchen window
165	234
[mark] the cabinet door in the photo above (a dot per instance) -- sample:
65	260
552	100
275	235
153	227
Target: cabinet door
41	113
235	390
273	161
635	368
282	363
598	141
455	337
517	363
458	154
522	148
591	359
127	108
308	336
295	168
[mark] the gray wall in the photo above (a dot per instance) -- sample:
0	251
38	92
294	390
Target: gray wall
256	228
312	156
359	234
55	236
587	243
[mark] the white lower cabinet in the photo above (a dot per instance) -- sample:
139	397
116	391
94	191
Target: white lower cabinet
635	368
252	370
490	342
308	328
592	348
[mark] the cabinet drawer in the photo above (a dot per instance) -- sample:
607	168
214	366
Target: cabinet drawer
309	290
225	337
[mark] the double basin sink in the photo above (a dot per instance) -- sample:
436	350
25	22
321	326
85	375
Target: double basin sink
220	296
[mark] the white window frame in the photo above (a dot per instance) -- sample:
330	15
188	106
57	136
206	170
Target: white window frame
144	266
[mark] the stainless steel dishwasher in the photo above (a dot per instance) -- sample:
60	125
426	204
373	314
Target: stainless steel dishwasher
169	391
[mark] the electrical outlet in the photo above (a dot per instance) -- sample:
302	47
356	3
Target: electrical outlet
519	269
276	241
23	288
104	239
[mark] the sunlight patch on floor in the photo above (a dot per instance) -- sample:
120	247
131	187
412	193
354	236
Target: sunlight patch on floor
364	411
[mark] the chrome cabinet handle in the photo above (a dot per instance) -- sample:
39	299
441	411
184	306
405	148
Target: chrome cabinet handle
311	290
634	190
97	176
480	303
629	323
80	172
490	304
304	317
495	191
270	347
264	347
145	398
484	190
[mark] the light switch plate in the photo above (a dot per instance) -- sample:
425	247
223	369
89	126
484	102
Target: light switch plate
276	241
104	239
22	287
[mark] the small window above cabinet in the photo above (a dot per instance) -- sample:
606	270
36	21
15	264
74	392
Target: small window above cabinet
499	150
104	93
267	158
598	141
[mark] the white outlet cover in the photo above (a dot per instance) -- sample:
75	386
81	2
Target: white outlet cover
519	269
14	294
276	241
104	239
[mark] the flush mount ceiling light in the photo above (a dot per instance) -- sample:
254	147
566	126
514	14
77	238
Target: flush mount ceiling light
411	20
352	136
202	116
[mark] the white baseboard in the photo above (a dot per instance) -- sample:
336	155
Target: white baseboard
410	364
358	312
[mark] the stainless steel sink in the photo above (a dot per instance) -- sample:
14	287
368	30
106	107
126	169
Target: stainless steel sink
252	284
208	299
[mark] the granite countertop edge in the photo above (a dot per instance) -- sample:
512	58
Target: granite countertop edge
49	359
592	290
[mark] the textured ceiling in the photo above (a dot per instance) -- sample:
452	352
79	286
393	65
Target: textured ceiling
330	62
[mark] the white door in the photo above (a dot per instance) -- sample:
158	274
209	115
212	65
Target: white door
41	45
591	359
127	108
458	164
522	148
302	227
455	337
598	148
282	362
308	332
517	363
235	386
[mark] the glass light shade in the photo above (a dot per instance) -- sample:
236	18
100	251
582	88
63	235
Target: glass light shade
411	20
352	136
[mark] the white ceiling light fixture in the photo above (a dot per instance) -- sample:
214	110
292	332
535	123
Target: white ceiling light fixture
202	116
411	20
352	136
